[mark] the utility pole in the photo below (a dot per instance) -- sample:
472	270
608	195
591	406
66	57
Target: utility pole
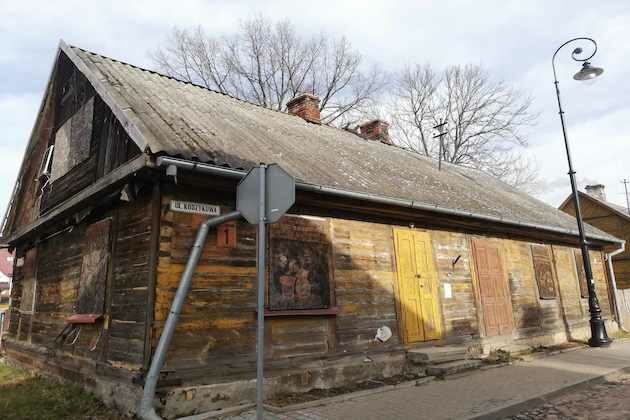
441	133
625	185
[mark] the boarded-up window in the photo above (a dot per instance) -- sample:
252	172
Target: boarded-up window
300	268
581	274
72	141
543	267
91	298
27	301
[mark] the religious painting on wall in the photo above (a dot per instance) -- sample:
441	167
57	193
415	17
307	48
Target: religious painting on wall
300	268
543	268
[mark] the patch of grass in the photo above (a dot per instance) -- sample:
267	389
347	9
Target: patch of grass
10	375
25	396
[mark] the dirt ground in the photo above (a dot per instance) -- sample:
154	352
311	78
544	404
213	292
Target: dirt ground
609	399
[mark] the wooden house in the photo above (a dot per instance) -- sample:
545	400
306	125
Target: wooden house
615	220
6	274
124	164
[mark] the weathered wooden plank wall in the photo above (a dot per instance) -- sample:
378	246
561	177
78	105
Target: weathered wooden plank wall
454	265
217	321
70	256
129	285
216	335
569	287
364	279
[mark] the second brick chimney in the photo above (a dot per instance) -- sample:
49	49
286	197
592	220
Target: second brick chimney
597	191
376	130
305	106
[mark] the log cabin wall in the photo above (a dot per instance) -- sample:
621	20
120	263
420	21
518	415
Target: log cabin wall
550	320
73	273
574	302
217	326
215	338
454	265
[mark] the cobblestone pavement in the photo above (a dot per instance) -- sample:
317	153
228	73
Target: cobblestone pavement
607	400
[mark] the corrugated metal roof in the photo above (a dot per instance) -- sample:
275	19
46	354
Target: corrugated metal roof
182	119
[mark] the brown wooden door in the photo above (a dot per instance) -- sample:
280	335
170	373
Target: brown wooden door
493	289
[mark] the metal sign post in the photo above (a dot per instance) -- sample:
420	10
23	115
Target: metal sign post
262	197
260	324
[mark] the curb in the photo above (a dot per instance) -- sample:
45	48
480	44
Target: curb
515	409
218	414
541	355
348	396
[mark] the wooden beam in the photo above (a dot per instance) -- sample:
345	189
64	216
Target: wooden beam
156	212
77	201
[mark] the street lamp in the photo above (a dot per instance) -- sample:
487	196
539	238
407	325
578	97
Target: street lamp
599	338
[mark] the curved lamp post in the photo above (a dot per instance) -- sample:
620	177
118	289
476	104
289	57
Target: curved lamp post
599	337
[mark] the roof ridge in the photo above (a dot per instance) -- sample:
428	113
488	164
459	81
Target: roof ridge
158	73
460	170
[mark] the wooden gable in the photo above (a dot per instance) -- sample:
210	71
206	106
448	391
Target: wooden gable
76	140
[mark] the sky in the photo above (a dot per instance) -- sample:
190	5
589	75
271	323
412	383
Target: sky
513	40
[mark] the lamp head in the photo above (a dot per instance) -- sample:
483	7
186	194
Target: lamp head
588	72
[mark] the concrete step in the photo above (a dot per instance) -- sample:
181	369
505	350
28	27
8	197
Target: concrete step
433	355
516	349
451	368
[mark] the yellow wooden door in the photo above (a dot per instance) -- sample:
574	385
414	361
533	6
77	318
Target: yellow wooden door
417	286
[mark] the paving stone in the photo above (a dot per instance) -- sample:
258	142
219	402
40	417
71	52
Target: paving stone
490	390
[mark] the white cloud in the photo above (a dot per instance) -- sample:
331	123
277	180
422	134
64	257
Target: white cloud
598	148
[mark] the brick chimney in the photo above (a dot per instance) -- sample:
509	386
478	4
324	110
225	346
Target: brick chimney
597	191
376	130
305	106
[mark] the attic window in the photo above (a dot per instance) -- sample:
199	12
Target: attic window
72	141
46	166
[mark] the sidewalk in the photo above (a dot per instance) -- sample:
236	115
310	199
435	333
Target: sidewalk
478	394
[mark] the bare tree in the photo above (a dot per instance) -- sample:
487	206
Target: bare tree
484	120
269	63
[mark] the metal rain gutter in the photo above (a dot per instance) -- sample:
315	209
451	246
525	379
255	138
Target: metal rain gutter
613	282
146	410
303	186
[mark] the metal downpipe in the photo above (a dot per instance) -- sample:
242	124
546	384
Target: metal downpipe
146	409
613	284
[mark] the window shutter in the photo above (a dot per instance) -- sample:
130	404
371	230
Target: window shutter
543	267
91	298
